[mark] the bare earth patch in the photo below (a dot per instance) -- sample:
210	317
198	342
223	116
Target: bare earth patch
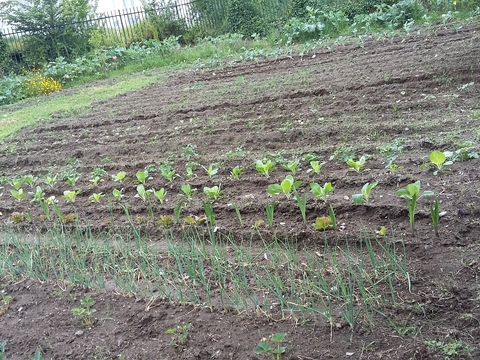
420	94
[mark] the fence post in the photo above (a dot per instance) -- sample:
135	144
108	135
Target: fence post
123	28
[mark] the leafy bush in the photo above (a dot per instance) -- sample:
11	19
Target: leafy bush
244	18
162	20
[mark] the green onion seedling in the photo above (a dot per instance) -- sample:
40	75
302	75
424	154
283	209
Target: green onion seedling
117	194
95	197
291	166
264	168
439	161
207	206
211	170
269	210
120	177
333	218
302	205
286	186
357	165
214	192
237	211
316	166
18	195
188	191
38	195
321	192
435	214
159	194
364	196
177	211
411	194
236	172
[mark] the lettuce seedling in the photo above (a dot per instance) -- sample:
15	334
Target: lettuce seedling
291	166
159	194
356	165
322	223
18	195
117	194
264	168
286	186
211	170
188	191
439	161
411	194
142	193
321	192
70	196
364	196
236	172
96	197
120	177
316	166
214	192
38	195
165	220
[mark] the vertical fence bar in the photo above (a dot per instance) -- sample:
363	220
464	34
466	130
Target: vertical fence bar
123	27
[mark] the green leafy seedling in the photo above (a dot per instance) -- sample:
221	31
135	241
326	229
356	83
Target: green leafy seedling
292	166
168	173
120	177
439	161
142	193
96	197
188	191
264	168
50	181
411	193
271	346
357	165
316	166
211	170
72	180
17	182
86	311
117	194
320	192
70	196
286	186
214	192
236	172
159	194
29	180
18	195
96	180
142	177
364	196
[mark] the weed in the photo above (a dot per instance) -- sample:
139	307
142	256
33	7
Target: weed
86	311
180	336
451	350
271	346
6	299
342	154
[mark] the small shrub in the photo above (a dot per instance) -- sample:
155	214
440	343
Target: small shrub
37	84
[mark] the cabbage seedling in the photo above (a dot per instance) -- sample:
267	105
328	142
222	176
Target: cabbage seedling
264	168
120	177
364	196
117	194
159	194
356	165
286	186
142	193
29	179
96	180
188	192
72	180
321	192
190	174
236	172
50	181
18	195
438	159
292	166
167	172
142	177
411	194
17	182
211	170
316	166
96	197
38	195
70	196
214	192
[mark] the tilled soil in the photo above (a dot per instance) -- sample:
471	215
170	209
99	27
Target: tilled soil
420	93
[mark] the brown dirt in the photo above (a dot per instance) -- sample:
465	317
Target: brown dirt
422	91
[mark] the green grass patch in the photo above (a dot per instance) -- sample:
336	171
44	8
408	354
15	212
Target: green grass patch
73	101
